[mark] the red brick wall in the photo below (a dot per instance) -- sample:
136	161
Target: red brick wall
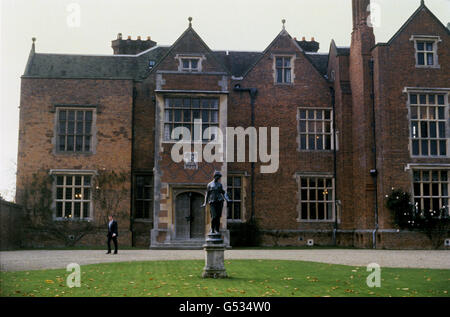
113	125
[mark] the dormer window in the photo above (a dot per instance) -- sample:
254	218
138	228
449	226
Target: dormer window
151	63
426	50
283	69
190	62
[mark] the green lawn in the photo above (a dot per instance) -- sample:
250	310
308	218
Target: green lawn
247	278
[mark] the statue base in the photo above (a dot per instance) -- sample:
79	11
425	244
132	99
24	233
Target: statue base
214	257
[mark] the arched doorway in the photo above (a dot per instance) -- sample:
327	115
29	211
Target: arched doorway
189	216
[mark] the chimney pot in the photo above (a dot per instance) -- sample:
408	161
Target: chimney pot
129	37
312	39
303	38
119	36
148	38
139	37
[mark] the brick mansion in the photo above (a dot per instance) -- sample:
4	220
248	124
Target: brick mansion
353	124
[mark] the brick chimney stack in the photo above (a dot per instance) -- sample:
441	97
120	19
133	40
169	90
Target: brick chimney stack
129	46
361	11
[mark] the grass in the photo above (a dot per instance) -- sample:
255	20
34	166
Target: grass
254	278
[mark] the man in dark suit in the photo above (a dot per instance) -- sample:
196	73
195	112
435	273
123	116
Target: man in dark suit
112	234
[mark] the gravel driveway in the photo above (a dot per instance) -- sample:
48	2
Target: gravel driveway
41	259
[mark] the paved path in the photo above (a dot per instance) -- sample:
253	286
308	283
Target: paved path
40	259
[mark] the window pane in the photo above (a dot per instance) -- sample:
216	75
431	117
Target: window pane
287	62
62	142
433	147
177	115
70	143
441	129
59	209
302	126
194	63
433	130
413	99
237	181
86	210
429	46
442	147
420	46
441	113
302	114
71	115
415	147
287	73
440	99
303	142
185	63
77	210
424	147
279	75
68	209
195	103
423	99
237	210
77	180
430	59
87	143
79	143
424	129
414	129
59	193
421	59
279	61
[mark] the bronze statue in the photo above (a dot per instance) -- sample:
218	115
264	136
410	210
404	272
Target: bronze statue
215	196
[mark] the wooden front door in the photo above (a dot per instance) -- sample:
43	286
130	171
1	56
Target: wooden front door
189	216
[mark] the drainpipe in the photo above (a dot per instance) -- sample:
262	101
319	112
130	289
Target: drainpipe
333	106
374	172
133	105
253	92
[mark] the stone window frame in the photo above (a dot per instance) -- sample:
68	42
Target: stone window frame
428	91
291	57
93	136
181	57
324	176
426	38
192	122
72	173
231	186
150	200
435	184
307	133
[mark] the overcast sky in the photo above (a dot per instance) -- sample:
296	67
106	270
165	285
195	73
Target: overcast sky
223	24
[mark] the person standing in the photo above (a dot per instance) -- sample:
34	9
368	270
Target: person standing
112	234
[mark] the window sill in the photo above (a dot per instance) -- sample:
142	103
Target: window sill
143	220
284	84
73	219
73	153
235	221
429	66
315	151
315	221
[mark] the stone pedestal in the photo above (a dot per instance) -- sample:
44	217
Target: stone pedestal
214	257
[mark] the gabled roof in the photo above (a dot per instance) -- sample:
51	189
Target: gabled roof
411	18
316	61
319	61
237	62
190	31
91	66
